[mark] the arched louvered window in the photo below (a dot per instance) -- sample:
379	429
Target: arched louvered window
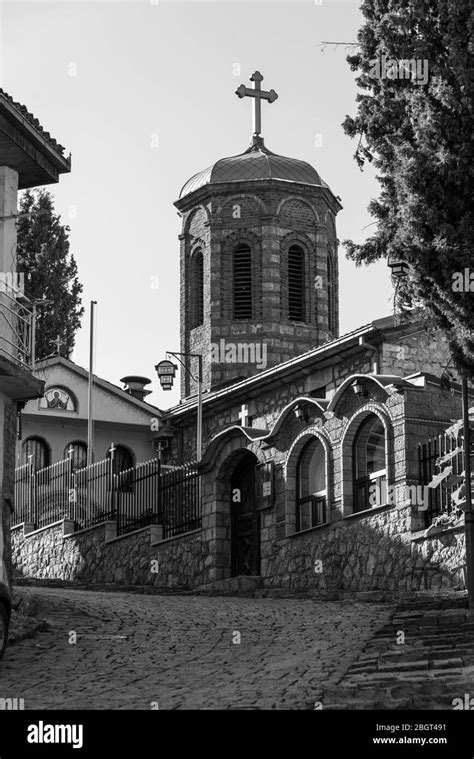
331	292
197	284
296	288
38	449
242	274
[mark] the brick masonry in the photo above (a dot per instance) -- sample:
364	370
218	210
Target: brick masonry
269	218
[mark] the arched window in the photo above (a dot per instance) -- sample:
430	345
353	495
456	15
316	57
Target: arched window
197	284
78	452
242	276
331	294
311	486
370	474
123	458
296	284
38	449
122	461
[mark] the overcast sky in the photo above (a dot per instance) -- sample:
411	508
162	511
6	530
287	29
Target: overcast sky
111	79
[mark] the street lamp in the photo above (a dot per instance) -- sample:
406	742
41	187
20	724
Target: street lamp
166	371
398	266
359	388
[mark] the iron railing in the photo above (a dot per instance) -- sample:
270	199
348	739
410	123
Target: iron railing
439	499
16	328
134	498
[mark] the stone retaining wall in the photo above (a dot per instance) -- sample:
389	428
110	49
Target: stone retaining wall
376	552
91	556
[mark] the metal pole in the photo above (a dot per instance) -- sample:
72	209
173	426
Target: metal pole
33	336
199	412
469	513
90	423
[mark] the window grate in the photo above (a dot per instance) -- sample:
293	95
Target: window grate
296	283
198	285
242	270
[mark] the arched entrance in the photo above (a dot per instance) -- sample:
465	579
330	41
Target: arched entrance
245	519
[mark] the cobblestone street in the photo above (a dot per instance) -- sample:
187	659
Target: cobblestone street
182	652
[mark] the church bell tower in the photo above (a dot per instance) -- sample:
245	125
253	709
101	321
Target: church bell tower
258	267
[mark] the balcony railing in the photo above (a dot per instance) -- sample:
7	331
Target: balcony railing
16	327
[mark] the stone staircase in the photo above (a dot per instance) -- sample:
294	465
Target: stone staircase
423	659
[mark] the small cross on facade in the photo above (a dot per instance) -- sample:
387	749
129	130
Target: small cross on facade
58	344
244	415
258	95
70	451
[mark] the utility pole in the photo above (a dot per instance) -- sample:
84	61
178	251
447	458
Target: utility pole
90	421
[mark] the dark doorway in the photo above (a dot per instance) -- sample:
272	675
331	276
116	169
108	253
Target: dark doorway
245	520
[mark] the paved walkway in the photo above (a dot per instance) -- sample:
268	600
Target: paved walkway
183	652
422	659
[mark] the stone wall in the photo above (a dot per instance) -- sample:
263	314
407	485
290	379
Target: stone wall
7	477
376	552
93	556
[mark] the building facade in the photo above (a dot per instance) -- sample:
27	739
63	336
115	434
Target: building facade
56	422
313	474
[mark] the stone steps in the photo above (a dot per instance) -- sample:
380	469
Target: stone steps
433	667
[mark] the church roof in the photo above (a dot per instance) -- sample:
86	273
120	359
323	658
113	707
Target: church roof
257	162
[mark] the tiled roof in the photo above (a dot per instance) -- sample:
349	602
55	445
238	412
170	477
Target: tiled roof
257	162
32	120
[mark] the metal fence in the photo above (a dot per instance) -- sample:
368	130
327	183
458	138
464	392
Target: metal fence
439	497
134	498
180	501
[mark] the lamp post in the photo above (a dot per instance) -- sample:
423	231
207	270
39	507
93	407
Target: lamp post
400	269
166	372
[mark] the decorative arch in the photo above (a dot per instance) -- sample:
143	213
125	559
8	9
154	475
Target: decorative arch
304	202
382	381
290	473
330	222
347	450
234	200
57	397
319	407
220	461
190	219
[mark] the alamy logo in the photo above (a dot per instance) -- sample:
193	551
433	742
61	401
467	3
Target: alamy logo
12	704
415	69
466	703
239	353
411	495
42	733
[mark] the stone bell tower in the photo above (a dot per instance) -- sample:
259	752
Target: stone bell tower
259	268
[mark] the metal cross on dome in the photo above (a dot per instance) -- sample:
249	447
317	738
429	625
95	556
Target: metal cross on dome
258	95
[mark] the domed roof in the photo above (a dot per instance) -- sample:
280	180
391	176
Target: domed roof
257	162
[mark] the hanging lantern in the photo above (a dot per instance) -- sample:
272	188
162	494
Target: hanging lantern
398	266
166	372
